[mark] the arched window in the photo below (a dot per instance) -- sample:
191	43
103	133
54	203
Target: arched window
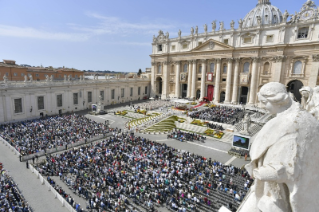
159	69
266	68
185	68
200	70
225	69
297	67
212	68
246	67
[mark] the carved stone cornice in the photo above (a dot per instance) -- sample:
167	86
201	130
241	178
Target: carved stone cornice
255	59
166	62
190	61
218	60
203	60
194	61
278	59
315	57
230	59
237	59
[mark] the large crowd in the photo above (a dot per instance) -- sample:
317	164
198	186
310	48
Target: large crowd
11	198
124	173
220	114
32	136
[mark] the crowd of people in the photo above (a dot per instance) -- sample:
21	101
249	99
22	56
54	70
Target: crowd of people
152	105
11	198
185	136
125	172
220	114
215	126
32	136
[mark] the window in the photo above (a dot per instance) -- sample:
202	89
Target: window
145	89
90	96
40	102
226	41
59	100
199	79
75	98
15	74
246	67
159	48
297	67
225	69
200	43
122	92
113	94
185	46
303	32
18	105
22	74
7	74
247	40
185	67
131	92
212	68
102	95
159	69
139	91
200	70
266	68
173	48
269	38
224	80
37	75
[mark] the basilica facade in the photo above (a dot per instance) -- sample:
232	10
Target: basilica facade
231	65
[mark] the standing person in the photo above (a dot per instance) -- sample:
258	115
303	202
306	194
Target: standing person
27	164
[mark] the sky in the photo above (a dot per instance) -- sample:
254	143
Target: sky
113	35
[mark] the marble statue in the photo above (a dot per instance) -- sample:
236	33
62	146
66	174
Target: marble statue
246	124
31	78
259	20
25	78
167	35
179	33
284	159
310	100
214	26
205	28
64	78
232	24
154	38
196	30
47	78
192	31
240	23
69	77
221	25
285	16
51	78
5	78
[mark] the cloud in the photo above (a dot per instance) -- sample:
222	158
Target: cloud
28	32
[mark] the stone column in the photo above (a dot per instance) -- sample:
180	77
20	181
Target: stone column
312	82
177	78
165	80
253	82
203	80
189	81
217	80
229	79
236	79
277	68
194	77
153	82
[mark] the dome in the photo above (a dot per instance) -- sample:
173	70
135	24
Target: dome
264	13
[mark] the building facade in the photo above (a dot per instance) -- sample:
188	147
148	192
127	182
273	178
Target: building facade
231	65
33	99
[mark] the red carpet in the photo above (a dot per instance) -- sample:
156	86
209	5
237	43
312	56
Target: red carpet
200	104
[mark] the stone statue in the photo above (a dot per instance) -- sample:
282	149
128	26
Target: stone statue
154	39
214	26
31	78
196	30
284	159
5	79
25	78
232	24
258	20
167	35
246	124
179	33
221	26
69	77
310	100
192	31
285	16
240	23
205	28
51	78
47	78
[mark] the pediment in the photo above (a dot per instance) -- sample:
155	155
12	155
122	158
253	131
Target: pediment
212	45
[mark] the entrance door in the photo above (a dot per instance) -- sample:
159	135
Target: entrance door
293	87
60	112
210	92
198	94
159	85
243	95
184	90
222	96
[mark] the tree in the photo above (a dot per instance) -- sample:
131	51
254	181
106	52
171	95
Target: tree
139	72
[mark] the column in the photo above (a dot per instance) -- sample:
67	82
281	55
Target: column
177	78
165	81
229	79
194	77
236	79
217	81
203	80
312	82
153	83
253	82
189	86
277	68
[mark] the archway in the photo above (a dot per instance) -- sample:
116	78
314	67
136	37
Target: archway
210	92
198	94
222	96
243	95
159	85
293	87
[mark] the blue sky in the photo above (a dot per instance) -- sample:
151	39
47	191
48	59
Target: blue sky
111	35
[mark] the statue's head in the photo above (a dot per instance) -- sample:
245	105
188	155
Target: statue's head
274	97
306	92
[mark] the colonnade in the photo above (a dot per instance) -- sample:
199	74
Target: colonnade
232	79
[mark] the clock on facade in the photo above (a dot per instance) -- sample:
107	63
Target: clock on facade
306	14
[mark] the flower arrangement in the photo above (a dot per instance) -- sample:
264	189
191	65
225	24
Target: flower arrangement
198	122
206	105
181	120
193	103
215	134
121	113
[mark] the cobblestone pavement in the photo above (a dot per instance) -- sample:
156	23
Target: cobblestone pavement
38	196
